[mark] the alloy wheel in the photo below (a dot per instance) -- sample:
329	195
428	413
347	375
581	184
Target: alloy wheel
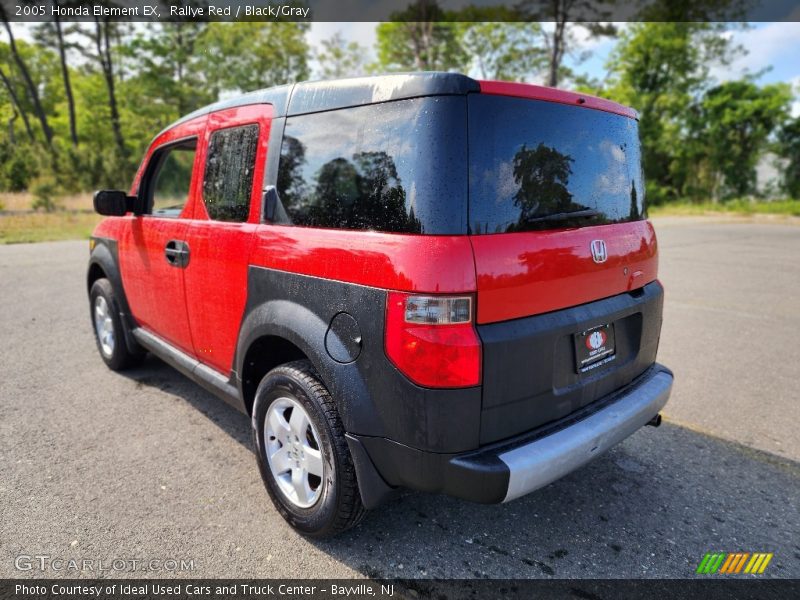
104	326
293	452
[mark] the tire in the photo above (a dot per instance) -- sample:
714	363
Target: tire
107	326
331	502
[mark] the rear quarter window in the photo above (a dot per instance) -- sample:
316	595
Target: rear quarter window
394	167
228	179
531	160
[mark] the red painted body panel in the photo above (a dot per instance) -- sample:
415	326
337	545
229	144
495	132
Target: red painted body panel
216	278
154	288
537	92
110	227
522	274
216	288
410	263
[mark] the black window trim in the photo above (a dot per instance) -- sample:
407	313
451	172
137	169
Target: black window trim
271	166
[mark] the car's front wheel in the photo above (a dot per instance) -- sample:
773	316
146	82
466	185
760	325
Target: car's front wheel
108	328
302	453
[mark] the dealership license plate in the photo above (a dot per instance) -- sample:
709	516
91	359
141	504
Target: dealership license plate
594	347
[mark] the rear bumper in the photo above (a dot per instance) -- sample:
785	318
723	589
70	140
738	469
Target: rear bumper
507	470
539	462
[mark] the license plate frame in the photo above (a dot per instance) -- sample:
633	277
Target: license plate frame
593	351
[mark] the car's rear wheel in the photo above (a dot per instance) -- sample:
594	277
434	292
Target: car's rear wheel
302	453
108	328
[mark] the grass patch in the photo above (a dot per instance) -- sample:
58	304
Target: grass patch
18	228
23	201
734	207
19	224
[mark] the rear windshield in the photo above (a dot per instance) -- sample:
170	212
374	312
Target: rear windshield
540	165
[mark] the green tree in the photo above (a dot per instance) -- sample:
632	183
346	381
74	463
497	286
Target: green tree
30	87
340	58
564	16
126	84
789	148
662	70
737	118
51	34
505	50
13	102
18	165
104	38
420	39
168	65
250	56
41	70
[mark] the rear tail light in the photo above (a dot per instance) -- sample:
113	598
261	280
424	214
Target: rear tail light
432	339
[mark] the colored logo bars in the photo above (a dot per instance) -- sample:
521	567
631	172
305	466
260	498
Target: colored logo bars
733	562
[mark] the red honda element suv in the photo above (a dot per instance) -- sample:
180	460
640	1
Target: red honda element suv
421	281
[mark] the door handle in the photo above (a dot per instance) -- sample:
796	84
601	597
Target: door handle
177	253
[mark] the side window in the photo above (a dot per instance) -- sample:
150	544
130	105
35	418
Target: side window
228	182
169	178
396	166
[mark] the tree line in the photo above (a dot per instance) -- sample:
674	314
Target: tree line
79	102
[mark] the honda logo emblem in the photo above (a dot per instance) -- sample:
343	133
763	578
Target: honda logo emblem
599	253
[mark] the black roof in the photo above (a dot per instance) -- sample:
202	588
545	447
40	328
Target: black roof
315	96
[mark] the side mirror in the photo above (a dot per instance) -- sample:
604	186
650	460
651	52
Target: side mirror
113	203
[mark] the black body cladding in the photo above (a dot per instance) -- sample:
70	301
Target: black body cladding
104	262
529	375
375	399
436	440
481	475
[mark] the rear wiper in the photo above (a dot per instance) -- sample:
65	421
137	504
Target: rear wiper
565	216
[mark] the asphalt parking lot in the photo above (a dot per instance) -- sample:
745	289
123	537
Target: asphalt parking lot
98	465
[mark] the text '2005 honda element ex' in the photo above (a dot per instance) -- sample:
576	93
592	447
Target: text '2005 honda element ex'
410	281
